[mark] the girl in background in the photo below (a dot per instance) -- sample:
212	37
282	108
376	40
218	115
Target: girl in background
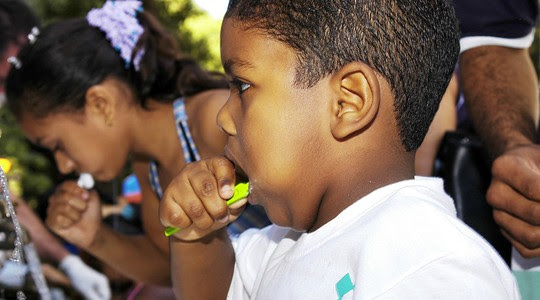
100	90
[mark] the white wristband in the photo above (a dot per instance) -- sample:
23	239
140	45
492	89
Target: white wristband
87	281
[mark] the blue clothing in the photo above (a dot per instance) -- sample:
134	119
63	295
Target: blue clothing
496	18
253	216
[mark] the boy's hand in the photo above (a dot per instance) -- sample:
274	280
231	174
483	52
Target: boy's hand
195	201
74	214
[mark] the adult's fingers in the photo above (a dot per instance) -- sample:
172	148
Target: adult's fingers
503	197
521	248
520	169
527	235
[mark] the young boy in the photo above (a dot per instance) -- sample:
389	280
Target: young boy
329	101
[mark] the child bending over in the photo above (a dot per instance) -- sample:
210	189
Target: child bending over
109	89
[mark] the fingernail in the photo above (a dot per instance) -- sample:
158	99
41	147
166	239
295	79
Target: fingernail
85	195
227	189
224	219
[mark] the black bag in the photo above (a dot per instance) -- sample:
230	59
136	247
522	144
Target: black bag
464	165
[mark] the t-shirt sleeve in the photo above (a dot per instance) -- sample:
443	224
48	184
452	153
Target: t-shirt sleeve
252	249
509	23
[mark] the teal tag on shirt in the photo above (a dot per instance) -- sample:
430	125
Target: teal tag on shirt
344	285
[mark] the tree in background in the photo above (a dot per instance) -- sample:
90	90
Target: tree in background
191	25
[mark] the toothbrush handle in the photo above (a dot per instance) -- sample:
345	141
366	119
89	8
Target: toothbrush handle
241	191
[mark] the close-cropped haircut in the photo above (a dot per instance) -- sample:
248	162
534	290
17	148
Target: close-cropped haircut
413	44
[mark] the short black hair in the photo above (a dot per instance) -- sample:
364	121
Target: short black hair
16	20
413	44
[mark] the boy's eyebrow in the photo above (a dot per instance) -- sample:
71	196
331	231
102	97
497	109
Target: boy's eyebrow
234	63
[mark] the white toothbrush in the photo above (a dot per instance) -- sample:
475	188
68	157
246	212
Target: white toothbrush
85	181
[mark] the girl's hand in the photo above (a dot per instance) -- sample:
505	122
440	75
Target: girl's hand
74	214
195	201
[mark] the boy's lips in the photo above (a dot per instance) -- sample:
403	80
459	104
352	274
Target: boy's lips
241	176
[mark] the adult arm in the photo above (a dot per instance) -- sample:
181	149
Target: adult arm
501	92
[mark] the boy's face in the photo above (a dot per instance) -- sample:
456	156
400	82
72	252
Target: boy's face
276	130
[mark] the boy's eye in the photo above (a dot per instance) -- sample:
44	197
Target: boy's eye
240	85
244	86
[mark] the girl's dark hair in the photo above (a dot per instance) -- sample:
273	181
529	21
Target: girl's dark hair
71	56
16	21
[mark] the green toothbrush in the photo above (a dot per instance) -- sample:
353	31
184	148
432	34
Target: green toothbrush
241	191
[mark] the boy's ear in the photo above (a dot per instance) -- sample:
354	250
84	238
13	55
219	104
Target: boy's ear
357	99
100	103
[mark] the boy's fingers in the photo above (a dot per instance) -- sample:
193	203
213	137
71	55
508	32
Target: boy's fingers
223	170
170	211
235	207
208	205
171	214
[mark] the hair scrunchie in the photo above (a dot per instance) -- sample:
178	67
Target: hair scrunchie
118	20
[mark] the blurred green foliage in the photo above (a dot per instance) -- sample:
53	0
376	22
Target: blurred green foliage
173	14
33	172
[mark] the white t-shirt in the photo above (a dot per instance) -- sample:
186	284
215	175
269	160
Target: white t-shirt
402	241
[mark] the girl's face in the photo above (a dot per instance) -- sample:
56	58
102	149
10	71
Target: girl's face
79	142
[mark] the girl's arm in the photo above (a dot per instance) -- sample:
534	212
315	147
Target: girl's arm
144	257
210	139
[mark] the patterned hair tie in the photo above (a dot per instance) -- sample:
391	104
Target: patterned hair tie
118	20
15	62
33	35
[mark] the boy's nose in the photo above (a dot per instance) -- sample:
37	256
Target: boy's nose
64	163
225	121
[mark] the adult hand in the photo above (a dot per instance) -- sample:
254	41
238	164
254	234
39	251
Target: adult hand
74	214
195	200
514	194
87	281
